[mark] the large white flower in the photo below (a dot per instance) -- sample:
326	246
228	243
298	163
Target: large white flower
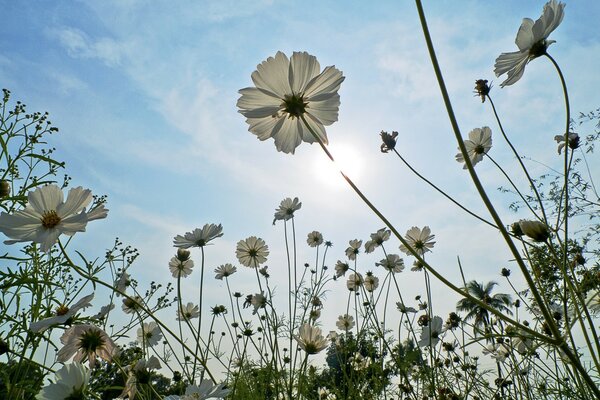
287	90
188	312
198	237
532	42
149	334
286	209
224	271
478	144
63	313
310	339
430	335
47	216
345	322
71	383
252	252
86	342
392	263
420	240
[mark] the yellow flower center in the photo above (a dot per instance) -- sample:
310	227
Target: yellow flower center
62	310
50	219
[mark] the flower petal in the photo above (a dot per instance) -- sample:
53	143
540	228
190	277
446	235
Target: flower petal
262	127
255	98
303	68
326	82
45	198
525	36
288	134
325	111
273	75
77	200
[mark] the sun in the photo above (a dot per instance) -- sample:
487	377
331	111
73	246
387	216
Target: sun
347	159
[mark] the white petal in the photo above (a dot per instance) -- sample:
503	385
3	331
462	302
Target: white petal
326	82
46	198
303	68
288	135
73	223
273	74
255	98
47	239
98	212
77	200
325	111
317	128
507	61
525	37
262	127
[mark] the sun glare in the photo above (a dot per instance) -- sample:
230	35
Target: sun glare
347	159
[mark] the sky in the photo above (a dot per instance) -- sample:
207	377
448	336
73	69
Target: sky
144	94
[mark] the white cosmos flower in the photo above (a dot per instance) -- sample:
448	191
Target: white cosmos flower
532	42
345	322
252	252
286	209
371	282
478	144
149	333
354	281
47	216
430	335
353	249
392	263
314	239
206	390
180	268
122	283
70	383
341	268
198	237
287	90
188	312
86	342
377	239
310	339
421	240
63	313
224	271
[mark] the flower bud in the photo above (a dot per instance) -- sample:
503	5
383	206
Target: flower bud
535	230
4	188
183	255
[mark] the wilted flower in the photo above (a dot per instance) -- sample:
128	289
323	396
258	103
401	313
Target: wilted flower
354	282
389	141
286	209
224	271
310	339
198	237
393	263
345	322
430	333
573	141
314	239
377	239
63	314
341	268
86	342
532	42
122	283
70	383
252	252
258	301
420	240
353	249
482	88
149	333
131	305
405	310
188	312
287	91
371	282
47	216
478	144
536	230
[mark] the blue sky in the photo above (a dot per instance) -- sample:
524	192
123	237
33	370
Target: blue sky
145	94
